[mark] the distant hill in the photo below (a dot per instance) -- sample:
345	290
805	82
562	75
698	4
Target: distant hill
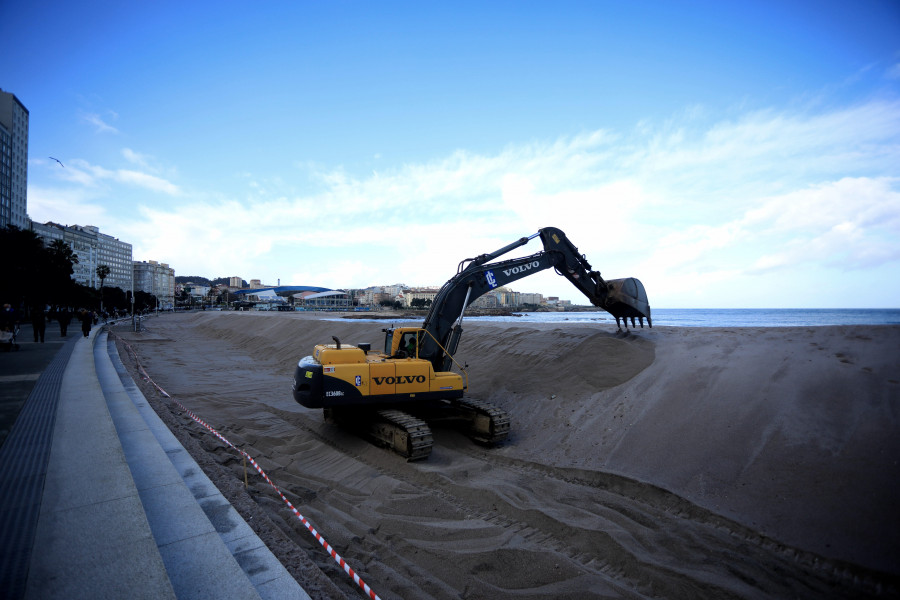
200	280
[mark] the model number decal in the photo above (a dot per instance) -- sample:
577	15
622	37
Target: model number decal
334	393
401	379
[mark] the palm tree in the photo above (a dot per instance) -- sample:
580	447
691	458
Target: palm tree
62	261
102	273
63	253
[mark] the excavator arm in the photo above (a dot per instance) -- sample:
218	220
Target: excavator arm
623	298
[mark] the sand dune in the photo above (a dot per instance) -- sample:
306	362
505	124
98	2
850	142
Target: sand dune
676	462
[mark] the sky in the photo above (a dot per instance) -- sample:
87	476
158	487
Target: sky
727	154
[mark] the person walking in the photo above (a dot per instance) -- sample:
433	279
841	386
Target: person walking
38	323
64	316
87	319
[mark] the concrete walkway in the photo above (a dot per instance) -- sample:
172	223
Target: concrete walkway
101	501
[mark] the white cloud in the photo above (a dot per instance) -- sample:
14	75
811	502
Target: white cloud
83	173
98	122
150	182
65	206
853	223
705	212
136	158
861	201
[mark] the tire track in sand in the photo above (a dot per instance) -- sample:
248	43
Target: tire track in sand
635	538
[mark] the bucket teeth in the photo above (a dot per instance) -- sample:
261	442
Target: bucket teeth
627	299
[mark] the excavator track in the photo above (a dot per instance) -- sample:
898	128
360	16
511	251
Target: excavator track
488	424
403	433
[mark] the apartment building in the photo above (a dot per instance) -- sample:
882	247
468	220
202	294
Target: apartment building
13	161
93	249
116	255
157	279
418	294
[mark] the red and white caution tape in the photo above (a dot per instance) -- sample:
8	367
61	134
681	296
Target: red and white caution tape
337	557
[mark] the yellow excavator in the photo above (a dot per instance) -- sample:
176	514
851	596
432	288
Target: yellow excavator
391	395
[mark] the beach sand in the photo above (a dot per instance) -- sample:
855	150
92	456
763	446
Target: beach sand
669	462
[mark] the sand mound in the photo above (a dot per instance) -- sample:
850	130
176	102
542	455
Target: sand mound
633	460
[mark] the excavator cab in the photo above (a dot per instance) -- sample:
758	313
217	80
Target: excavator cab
402	342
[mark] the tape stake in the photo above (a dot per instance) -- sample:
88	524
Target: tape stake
246	457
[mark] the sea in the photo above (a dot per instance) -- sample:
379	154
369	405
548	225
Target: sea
717	317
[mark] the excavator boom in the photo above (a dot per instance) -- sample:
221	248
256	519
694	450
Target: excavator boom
623	298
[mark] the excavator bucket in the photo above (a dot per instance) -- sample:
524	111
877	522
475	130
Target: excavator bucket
627	299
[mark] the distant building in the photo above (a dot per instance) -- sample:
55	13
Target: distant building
117	256
418	294
13	162
376	294
197	291
84	245
394	290
331	300
92	249
255	283
486	301
531	298
509	298
235	282
370	297
157	279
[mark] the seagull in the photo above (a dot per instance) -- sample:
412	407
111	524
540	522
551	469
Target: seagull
59	161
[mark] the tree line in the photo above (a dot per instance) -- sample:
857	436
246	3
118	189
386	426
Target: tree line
34	275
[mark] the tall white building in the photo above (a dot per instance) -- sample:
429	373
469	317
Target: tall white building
157	279
83	243
5	176
116	255
13	161
92	249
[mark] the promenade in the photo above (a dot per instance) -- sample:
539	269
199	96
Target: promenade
99	500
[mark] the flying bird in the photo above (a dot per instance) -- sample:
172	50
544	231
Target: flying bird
59	161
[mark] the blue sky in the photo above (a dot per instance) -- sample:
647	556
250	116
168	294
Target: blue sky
726	154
